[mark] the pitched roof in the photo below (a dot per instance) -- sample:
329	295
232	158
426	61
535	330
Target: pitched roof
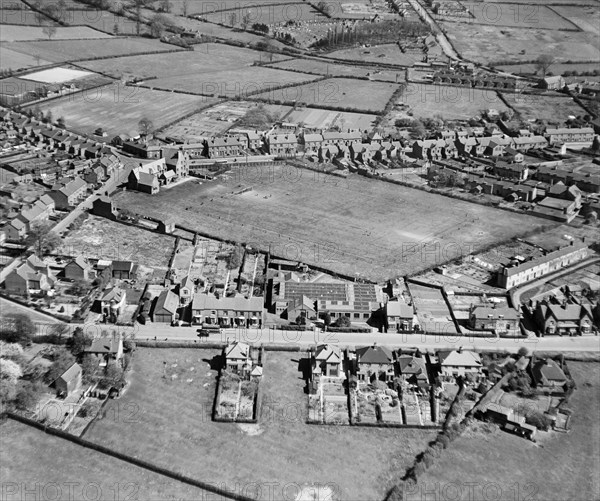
73	186
410	364
399	309
236	303
71	373
167	302
464	358
237	350
483	312
545	371
373	355
328	354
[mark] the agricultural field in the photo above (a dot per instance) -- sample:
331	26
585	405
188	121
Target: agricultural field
216	120
490	44
387	54
16	12
326	68
58	51
204	62
103	20
518	16
185	439
100	238
539	107
373	229
267	14
452	103
118	109
339	93
325	119
493	457
15	33
43	463
586	18
17	60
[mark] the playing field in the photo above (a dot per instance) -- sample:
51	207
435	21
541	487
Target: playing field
338	93
172	427
354	226
118	108
452	103
42	466
553	109
479	459
58	51
13	33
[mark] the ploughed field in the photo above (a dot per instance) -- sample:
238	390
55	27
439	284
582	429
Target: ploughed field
355	226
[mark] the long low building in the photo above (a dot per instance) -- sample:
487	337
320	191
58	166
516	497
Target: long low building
519	273
228	311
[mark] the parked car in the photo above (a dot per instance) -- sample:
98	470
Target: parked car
203	333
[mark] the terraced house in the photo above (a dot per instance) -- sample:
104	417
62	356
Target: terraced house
282	145
563	319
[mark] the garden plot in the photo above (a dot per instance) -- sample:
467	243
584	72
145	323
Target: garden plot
432	311
57	75
326	119
376	403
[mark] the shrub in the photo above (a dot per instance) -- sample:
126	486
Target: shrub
444	441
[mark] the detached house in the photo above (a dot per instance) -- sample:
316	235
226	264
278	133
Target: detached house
547	374
237	358
69	381
112	303
374	363
400	316
502	321
564	319
413	370
459	363
26	279
328	361
106	350
78	269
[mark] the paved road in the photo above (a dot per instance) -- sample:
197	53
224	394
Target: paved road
578	344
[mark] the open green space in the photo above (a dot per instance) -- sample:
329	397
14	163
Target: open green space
356	226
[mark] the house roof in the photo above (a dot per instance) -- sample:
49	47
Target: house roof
73	186
399	309
81	262
115	294
410	364
122	266
104	345
236	303
71	373
484	313
237	350
167	302
546	371
328	354
510	271
373	355
463	358
567	312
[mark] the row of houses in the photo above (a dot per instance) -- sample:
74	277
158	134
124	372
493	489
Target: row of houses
19	227
486	80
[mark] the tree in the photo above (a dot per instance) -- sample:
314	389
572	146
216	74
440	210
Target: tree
48	117
596	145
79	342
301	320
61	122
113	375
11	350
543	63
326	317
245	20
90	369
145	126
323	7
343	322
49	31
10	370
234	260
80	288
184	8
523	352
58	331
42	238
232	19
158	24
28	395
17	328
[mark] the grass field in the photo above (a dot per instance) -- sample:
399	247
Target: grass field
334	69
101	238
339	93
518	16
452	103
352	226
387	53
490	43
499	458
173	427
13	33
118	109
8	307
587	18
103	20
553	109
206	60
17	60
43	465
58	51
557	69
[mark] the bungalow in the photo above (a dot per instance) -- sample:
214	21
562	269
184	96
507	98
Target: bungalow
165	309
459	363
546	373
237	358
502	321
327	361
78	269
106	350
374	363
69	381
563	319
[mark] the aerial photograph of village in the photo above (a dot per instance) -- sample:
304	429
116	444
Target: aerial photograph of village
300	250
